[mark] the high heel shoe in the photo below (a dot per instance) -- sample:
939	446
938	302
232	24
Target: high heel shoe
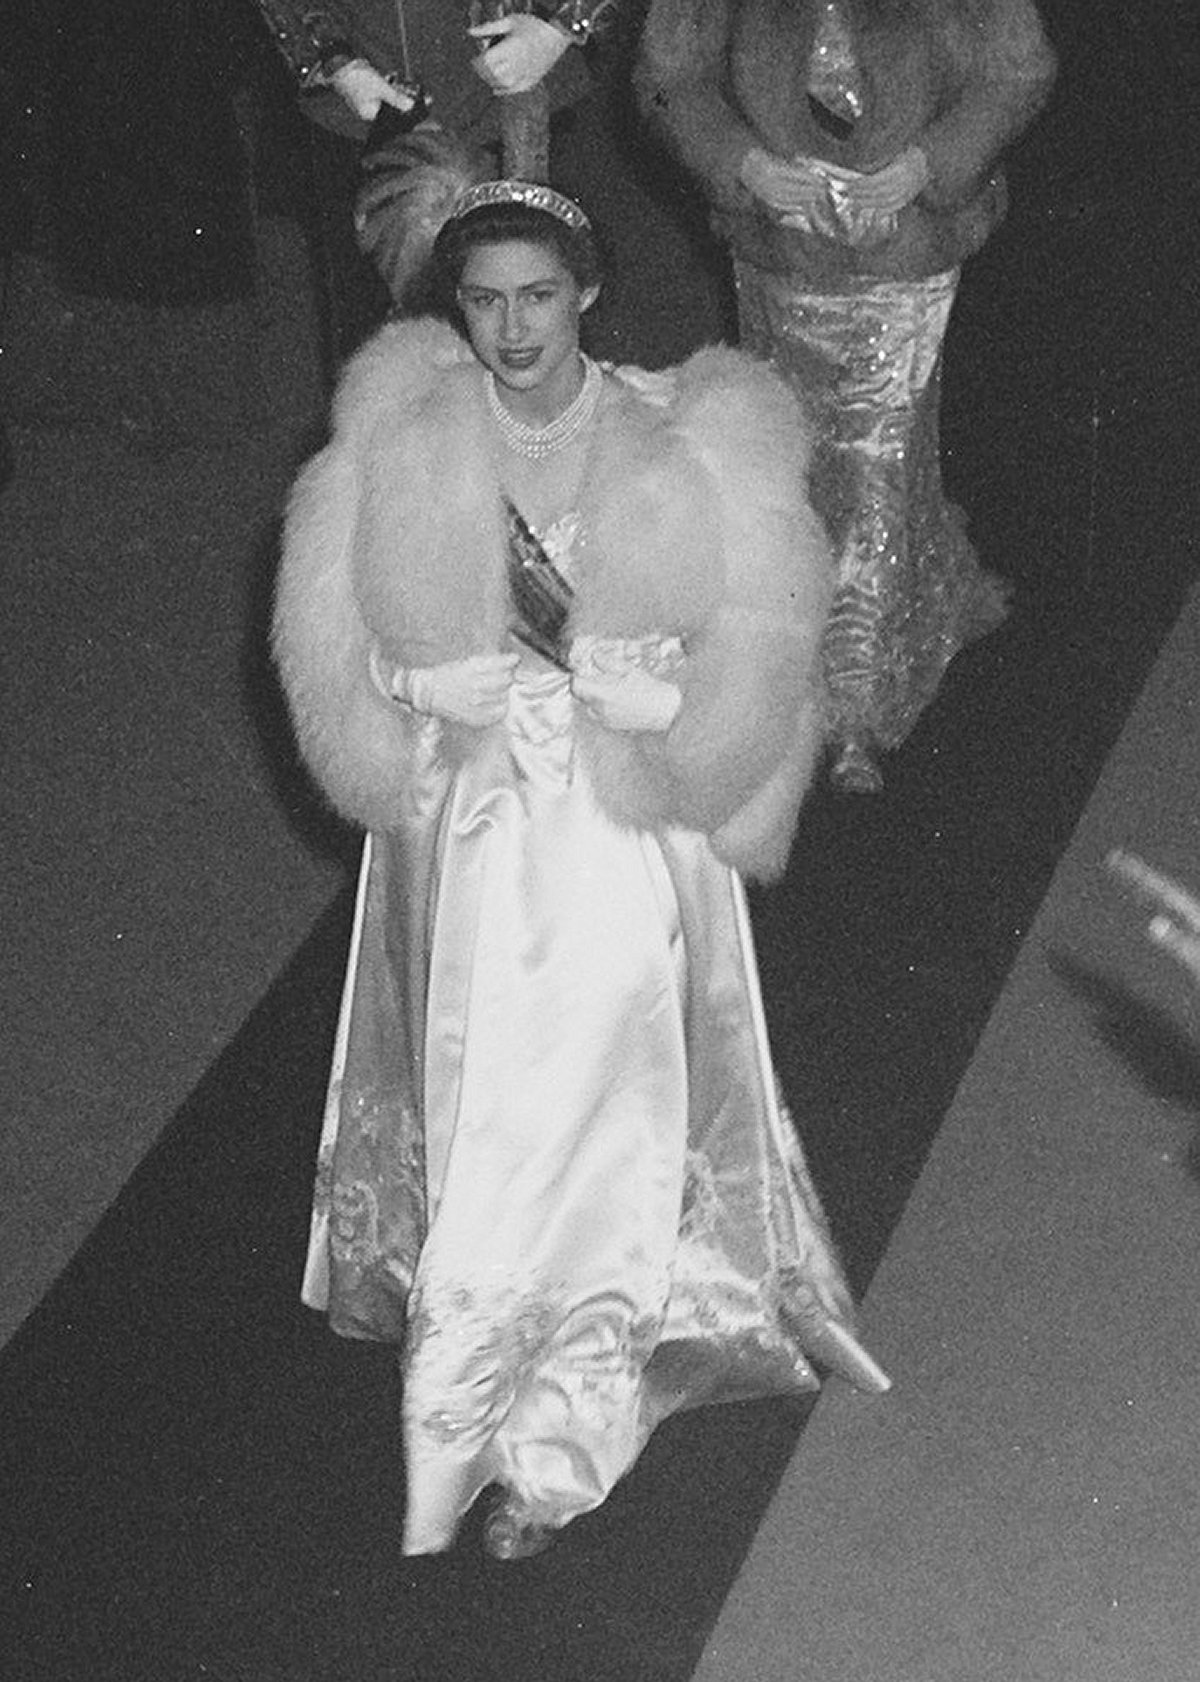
856	770
511	1534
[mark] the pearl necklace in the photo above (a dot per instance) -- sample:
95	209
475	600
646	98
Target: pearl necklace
535	442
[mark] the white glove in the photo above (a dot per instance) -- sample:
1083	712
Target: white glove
885	191
518	51
472	691
365	90
797	191
633	701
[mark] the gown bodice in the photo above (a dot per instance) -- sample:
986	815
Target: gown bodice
541	710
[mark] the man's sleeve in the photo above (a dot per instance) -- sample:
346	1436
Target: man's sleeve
314	40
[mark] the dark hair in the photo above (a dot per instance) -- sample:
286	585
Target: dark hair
503	224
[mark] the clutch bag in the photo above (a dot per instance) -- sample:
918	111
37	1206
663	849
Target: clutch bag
540	595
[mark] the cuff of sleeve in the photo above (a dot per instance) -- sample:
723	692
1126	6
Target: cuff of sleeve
578	20
335	56
396	687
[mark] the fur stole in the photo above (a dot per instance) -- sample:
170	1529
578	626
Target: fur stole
697	525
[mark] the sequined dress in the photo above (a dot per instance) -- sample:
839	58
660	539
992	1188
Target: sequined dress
850	299
555	1167
866	361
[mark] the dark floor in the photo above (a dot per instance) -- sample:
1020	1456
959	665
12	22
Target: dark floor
200	1482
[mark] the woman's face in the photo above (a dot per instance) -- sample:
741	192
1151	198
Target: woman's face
521	306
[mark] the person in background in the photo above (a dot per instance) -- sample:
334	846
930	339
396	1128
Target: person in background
851	154
549	634
357	61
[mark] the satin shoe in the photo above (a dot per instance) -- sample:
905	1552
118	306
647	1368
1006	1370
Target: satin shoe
511	1534
856	770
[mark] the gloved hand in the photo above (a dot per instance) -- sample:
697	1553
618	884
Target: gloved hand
890	189
797	190
473	691
633	701
365	90
518	51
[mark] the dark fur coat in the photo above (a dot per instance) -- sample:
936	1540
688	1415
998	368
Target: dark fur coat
958	78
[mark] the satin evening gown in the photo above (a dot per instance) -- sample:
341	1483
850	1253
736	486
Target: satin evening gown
554	1165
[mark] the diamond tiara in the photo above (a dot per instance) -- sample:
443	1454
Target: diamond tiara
533	194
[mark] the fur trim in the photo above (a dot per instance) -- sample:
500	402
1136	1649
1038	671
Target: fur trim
697	526
739	564
357	746
392	375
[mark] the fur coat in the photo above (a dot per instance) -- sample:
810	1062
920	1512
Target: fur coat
697	525
959	78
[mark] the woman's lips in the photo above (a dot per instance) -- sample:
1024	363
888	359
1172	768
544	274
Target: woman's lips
519	359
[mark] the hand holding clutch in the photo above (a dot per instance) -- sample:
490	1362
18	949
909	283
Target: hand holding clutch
796	190
886	191
633	701
473	691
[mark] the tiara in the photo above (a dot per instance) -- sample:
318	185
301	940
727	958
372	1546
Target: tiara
533	194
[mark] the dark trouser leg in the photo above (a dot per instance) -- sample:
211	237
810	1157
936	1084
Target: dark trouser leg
353	299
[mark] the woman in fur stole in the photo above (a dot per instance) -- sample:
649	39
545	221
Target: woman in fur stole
850	151
555	1167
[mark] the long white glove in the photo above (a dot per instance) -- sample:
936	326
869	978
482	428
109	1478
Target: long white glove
473	691
633	701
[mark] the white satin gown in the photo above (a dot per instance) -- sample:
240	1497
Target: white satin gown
554	1166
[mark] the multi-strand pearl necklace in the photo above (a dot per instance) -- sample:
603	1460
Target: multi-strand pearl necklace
535	442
